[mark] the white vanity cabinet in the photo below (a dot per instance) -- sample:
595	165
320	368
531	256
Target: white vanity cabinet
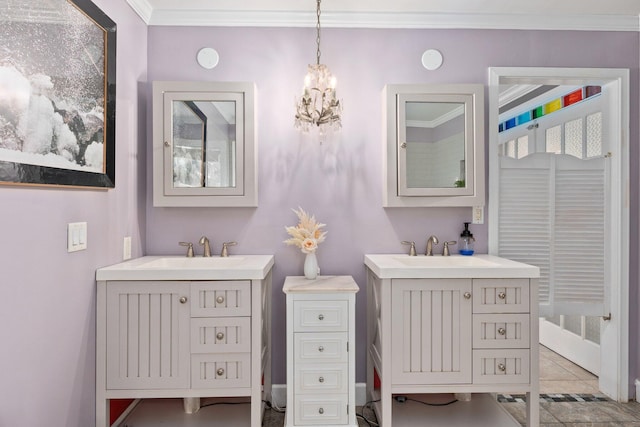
451	325
321	351
189	338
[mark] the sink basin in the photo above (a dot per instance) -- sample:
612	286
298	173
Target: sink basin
445	261
402	266
196	262
240	267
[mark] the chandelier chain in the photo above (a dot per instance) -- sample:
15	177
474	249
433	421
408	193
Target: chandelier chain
318	33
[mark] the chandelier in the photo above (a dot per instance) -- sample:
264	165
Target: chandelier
318	105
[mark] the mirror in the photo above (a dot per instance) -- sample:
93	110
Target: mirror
434	145
204	144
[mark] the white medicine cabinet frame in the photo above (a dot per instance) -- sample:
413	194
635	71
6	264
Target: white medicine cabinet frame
204	144
433	150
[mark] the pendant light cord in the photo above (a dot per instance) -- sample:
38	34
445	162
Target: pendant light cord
318	33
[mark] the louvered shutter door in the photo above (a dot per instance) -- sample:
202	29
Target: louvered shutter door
525	215
551	215
579	249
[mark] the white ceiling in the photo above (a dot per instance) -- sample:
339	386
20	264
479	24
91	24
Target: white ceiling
540	14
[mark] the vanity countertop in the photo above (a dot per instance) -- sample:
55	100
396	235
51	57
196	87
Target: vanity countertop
321	284
478	266
235	267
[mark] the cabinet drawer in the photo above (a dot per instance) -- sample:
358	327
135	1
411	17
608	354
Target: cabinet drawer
501	366
321	411
221	298
220	335
500	295
220	370
500	331
320	348
320	316
321	379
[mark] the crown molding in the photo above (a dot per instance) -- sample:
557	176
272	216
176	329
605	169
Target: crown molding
391	20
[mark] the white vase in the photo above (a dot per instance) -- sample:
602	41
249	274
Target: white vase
311	269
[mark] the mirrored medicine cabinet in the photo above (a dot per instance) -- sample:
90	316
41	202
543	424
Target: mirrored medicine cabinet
204	144
434	145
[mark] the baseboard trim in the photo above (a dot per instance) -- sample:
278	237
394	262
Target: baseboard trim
638	390
279	394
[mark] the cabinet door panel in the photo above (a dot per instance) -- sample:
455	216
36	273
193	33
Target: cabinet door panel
147	335
431	334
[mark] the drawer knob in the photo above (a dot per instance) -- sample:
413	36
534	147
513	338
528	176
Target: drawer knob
220	371
321	411
502	331
501	367
502	295
220	299
321	379
467	295
183	300
321	349
321	317
220	335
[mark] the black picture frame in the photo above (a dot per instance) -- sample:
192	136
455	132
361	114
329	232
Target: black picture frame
18	173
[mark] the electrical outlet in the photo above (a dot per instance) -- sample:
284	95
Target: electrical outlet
76	236
126	248
477	216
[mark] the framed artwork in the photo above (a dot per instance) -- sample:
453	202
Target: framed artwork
57	94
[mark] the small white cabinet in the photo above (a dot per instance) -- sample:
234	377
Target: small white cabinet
320	351
451	329
187	338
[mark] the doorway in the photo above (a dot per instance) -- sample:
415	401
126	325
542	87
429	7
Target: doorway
536	162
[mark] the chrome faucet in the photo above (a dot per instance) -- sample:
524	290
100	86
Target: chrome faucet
412	249
189	246
432	240
224	252
445	249
207	248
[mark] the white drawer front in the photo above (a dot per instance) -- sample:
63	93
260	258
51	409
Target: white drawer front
320	316
220	334
221	298
321	411
500	295
329	347
321	379
220	370
500	331
501	366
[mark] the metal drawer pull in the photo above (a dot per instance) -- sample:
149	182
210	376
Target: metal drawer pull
321	349
502	331
502	295
220	299
220	335
321	411
220	371
501	367
467	295
183	300
321	379
321	317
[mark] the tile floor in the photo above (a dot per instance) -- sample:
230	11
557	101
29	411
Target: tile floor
557	376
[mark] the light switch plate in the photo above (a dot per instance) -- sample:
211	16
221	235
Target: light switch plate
76	236
477	215
126	248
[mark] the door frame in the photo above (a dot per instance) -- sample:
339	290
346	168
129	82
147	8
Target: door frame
614	374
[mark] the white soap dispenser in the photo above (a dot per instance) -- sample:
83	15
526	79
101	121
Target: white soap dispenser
466	241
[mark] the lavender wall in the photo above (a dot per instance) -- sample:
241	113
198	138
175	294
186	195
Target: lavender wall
340	181
47	296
